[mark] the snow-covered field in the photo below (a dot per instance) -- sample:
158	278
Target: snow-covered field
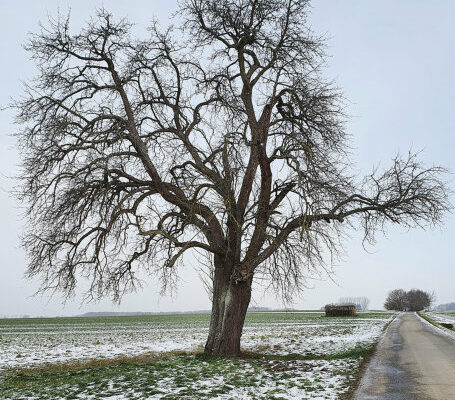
444	317
26	342
307	356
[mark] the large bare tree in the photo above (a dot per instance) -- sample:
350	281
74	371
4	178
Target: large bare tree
222	138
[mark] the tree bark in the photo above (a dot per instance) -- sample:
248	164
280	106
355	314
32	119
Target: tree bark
229	305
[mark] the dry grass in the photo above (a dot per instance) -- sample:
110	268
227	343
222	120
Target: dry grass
148	358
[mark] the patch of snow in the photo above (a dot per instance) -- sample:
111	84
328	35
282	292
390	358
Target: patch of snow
439	330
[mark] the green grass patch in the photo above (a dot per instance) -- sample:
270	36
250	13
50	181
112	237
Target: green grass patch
428	319
181	376
356	352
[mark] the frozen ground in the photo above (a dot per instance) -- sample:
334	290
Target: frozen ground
31	342
306	356
28	342
189	378
444	317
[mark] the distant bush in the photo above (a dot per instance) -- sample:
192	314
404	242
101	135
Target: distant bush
336	310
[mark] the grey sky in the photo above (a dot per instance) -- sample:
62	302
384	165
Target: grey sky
395	62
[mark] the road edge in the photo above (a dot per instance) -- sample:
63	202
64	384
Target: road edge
365	364
438	329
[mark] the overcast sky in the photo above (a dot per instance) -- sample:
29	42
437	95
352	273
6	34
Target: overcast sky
395	62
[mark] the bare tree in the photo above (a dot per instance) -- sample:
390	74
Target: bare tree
224	139
364	303
419	300
361	303
412	300
397	300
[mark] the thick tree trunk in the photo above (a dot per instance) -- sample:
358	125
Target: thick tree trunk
229	305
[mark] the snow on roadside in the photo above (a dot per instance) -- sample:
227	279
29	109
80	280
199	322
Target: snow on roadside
444	318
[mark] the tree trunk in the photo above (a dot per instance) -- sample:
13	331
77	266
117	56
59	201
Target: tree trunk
229	305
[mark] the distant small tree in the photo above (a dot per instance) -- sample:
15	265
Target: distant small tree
396	300
361	303
364	303
419	300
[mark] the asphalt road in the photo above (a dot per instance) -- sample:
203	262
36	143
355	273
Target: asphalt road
414	361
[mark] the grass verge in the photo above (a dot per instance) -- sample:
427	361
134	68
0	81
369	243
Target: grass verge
428	319
179	375
356	352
